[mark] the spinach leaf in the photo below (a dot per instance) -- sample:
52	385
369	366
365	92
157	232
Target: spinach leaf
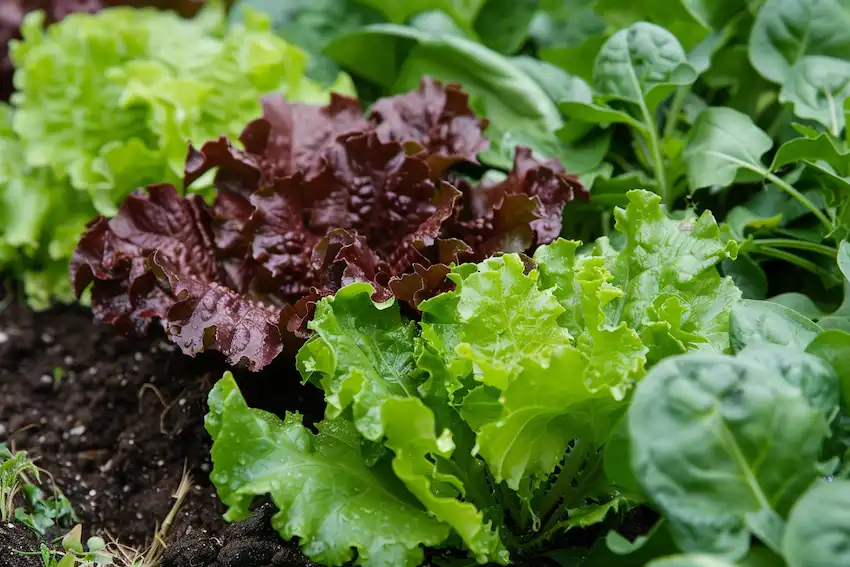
787	30
723	142
723	445
634	71
817	533
817	88
764	322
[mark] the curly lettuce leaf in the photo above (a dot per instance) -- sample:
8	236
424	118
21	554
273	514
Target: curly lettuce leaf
666	271
538	358
669	290
541	389
500	318
364	355
326	494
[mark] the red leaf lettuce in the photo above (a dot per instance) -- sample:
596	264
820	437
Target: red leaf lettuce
320	197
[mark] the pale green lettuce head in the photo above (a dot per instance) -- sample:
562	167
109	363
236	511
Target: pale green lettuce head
107	103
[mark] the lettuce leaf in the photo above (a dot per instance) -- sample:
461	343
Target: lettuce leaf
107	102
327	495
492	410
14	11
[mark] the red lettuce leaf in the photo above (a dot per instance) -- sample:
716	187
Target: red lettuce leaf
292	137
437	119
320	197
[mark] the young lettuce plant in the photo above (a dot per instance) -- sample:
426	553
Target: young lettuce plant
479	427
321	197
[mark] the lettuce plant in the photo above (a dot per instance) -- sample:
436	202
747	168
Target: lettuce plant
322	196
14	11
480	426
107	102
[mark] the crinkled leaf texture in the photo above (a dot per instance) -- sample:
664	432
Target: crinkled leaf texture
321	197
581	329
502	373
55	10
326	494
106	103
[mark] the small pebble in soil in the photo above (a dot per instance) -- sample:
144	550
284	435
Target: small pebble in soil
4	337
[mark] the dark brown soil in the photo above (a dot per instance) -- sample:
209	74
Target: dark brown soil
126	416
15	538
251	543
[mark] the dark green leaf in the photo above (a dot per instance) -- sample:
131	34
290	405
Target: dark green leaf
817	534
821	148
765	322
747	275
787	30
723	142
817	88
716	439
641	65
833	346
504	25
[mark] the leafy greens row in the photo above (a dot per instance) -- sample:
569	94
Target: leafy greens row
685	98
552	394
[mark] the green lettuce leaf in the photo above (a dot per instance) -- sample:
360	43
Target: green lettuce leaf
552	353
672	294
327	495
364	353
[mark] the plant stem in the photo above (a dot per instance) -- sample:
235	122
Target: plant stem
573	463
592	467
796	245
791	259
655	148
675	109
799	197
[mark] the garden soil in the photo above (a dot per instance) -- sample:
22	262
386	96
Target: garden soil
115	421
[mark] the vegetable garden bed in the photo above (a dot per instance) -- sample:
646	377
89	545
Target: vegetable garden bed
383	283
117	447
